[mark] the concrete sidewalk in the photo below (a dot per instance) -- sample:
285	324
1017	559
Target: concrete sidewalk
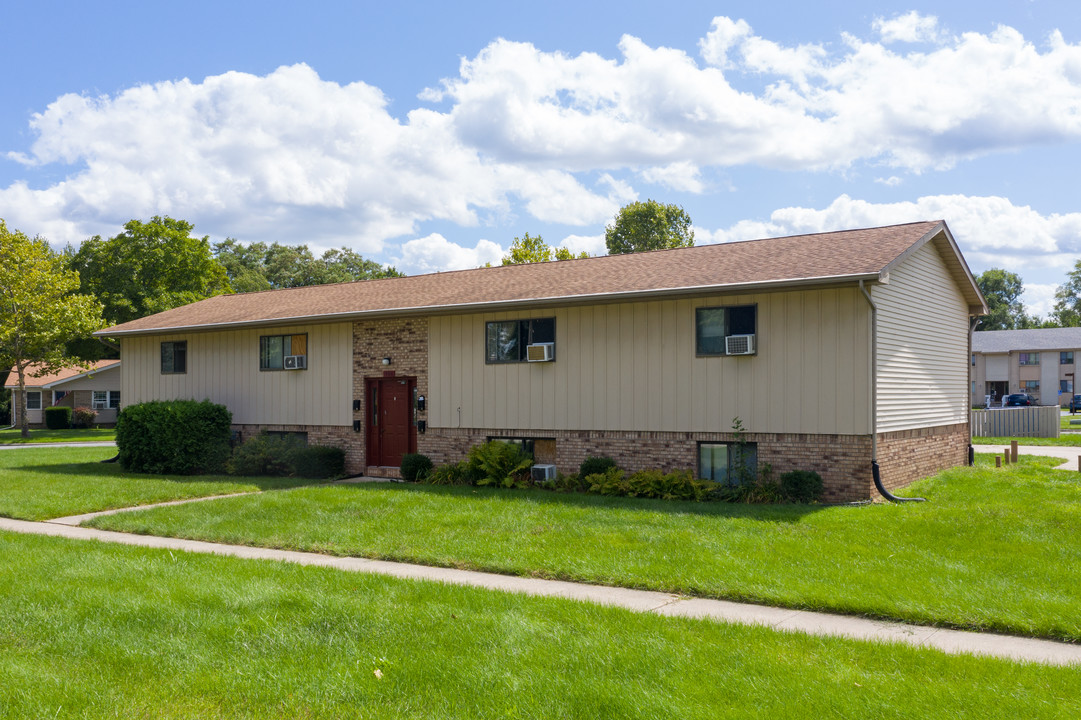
812	623
90	443
1068	455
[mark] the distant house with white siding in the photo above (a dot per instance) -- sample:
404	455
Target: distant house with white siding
1035	362
831	349
96	387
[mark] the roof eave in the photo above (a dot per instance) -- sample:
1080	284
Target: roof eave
969	287
653	293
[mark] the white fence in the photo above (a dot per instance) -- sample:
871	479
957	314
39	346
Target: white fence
1036	421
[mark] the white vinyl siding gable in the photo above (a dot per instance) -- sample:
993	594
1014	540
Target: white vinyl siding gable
923	357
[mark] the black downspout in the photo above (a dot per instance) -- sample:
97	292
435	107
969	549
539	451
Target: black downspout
876	473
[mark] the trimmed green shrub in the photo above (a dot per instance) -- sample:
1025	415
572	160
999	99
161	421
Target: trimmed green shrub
263	454
84	417
459	473
500	463
319	461
415	466
58	418
595	465
803	486
181	437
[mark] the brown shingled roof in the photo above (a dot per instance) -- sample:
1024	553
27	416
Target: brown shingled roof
800	259
61	374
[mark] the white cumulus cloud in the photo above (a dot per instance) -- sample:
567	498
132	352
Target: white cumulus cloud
434	253
910	27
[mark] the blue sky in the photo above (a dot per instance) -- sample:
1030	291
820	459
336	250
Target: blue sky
428	136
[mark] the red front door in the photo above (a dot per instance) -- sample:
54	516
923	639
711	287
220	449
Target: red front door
390	420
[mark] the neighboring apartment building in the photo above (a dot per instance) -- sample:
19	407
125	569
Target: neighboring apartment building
97	387
832	349
1037	362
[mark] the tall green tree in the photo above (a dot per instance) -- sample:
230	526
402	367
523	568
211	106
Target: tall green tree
648	225
148	268
40	312
532	249
1067	310
258	266
1002	290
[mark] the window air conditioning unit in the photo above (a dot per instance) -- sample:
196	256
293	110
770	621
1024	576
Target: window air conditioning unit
296	362
739	344
543	472
540	352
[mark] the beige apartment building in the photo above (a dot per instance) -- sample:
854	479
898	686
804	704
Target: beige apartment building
1038	362
833	350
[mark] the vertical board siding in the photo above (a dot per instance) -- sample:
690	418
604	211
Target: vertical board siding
632	367
224	367
922	346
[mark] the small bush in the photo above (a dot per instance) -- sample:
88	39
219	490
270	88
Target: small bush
58	418
500	463
802	486
182	437
263	454
595	465
460	473
84	417
319	461
415	466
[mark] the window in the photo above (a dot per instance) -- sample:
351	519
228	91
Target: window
58	395
1065	358
33	399
1065	386
114	399
174	357
713	324
527	444
100	400
1029	358
1031	387
973	359
724	462
506	340
273	349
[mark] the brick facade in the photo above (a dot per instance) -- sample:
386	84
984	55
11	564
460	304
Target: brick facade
843	461
908	455
328	435
405	342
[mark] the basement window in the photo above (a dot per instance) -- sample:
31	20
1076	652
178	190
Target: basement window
728	463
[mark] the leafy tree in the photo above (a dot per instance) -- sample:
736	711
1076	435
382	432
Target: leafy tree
1067	310
532	249
39	310
148	268
1002	290
649	225
259	266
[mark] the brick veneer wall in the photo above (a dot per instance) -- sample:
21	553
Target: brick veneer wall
330	435
843	461
908	455
405	342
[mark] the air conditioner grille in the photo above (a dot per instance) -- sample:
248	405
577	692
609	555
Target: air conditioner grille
739	344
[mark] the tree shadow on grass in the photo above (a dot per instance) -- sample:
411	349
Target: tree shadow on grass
114	471
787	513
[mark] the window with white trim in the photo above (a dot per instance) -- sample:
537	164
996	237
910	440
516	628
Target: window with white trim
100	400
33	399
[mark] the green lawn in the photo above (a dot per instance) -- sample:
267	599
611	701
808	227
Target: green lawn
94	630
1070	440
991	549
13	437
48	482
